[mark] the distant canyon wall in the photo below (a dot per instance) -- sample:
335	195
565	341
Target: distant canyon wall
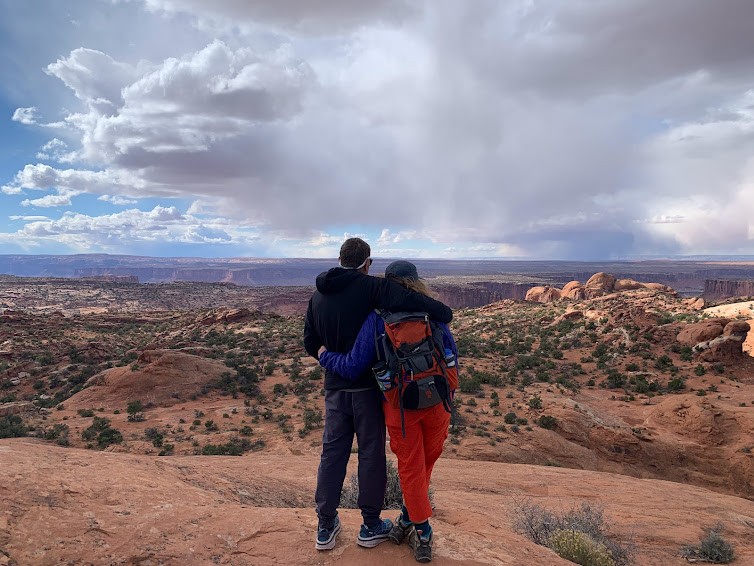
718	289
263	276
478	294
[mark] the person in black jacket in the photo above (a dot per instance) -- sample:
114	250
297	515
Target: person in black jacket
344	297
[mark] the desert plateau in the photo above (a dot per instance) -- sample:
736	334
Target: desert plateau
170	424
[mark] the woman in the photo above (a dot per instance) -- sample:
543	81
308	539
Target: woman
425	430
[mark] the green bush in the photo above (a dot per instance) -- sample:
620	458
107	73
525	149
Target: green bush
548	422
135	411
594	542
510	418
109	436
12	426
580	548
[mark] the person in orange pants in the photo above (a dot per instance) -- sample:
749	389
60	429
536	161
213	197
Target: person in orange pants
426	432
426	429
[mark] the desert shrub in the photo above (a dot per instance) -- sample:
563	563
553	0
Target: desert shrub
664	362
234	447
700	370
109	436
677	384
100	423
12	426
712	548
86	412
58	432
510	418
686	353
135	410
469	384
615	379
641	385
542	526
154	435
580	548
393	494
535	402
547	421
315	374
632	367
312	418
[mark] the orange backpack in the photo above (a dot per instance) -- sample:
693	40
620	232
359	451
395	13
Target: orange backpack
413	369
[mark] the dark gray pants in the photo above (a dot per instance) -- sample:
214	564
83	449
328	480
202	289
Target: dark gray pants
346	413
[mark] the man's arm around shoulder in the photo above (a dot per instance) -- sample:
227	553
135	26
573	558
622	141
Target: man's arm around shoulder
391	296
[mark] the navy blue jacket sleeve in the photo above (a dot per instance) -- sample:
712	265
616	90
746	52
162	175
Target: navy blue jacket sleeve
361	357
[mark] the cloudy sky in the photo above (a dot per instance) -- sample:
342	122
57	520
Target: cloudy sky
537	129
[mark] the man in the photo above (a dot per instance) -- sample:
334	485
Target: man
345	296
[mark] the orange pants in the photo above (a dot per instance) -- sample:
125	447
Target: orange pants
426	431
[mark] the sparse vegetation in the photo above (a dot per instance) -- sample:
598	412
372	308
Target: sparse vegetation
713	548
582	534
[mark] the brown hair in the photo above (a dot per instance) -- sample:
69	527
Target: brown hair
354	252
415	285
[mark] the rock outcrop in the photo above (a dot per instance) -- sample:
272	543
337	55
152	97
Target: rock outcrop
543	294
716	340
598	285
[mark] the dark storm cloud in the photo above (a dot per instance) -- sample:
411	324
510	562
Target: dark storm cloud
553	128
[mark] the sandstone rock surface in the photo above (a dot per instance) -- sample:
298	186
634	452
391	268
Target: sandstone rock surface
600	283
543	294
70	506
698	332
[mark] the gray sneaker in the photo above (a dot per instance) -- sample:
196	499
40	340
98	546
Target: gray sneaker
400	530
422	546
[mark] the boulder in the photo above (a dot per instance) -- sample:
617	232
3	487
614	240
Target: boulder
542	294
696	304
737	328
698	332
600	283
659	287
721	349
627	285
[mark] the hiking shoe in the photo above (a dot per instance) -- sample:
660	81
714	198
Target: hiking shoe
422	546
374	536
400	530
326	537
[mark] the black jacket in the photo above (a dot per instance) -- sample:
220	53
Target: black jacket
341	303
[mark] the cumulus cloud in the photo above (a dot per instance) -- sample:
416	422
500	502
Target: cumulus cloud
116	200
116	232
54	149
584	130
25	115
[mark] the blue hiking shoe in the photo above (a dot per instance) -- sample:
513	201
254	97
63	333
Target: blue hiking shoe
372	537
326	537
